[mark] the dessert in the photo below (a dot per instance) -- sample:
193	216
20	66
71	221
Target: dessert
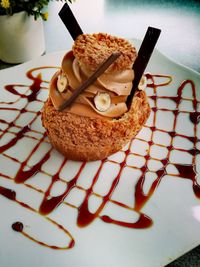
98	123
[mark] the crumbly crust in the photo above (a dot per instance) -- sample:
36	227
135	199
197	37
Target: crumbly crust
87	139
92	49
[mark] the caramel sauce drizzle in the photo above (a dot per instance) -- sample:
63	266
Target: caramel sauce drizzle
85	217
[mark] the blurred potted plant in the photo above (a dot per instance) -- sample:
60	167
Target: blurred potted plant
21	29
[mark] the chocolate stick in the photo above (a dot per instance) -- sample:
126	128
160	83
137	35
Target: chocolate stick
70	21
144	54
90	80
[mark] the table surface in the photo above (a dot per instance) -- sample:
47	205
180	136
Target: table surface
180	38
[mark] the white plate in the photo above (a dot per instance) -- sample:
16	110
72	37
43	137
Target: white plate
173	206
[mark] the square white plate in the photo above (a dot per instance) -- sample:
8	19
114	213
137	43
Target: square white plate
168	147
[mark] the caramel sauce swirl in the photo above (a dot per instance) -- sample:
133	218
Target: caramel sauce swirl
85	217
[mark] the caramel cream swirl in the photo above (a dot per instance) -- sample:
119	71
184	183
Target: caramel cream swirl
116	86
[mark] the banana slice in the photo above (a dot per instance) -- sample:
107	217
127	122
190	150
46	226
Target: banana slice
143	83
102	101
62	83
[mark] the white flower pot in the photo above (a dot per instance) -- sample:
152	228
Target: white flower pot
21	38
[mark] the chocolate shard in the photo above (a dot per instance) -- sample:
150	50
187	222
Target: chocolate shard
144	54
103	67
70	21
